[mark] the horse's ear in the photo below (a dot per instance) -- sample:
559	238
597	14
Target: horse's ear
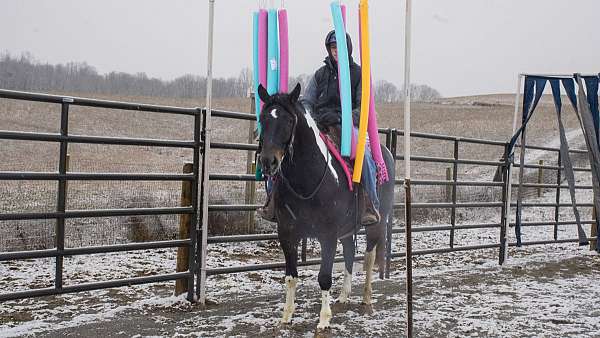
263	94
295	94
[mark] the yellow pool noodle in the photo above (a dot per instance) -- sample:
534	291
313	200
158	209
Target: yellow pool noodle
366	90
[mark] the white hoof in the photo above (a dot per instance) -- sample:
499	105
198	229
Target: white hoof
324	321
287	316
346	288
290	306
323	326
325	315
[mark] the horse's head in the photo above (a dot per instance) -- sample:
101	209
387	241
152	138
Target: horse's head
278	119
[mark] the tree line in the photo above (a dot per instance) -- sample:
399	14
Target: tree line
25	73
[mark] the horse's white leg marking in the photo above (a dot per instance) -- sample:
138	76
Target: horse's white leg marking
346	288
290	296
325	315
368	267
322	146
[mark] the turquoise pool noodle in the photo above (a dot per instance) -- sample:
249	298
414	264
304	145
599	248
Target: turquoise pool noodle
344	76
255	65
273	54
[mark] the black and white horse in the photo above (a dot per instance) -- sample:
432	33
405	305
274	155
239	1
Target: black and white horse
312	198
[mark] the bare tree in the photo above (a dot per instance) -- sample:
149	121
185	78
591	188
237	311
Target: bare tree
25	73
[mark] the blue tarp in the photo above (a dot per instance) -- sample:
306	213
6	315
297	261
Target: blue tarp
588	115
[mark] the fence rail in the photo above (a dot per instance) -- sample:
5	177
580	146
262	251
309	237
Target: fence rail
199	146
63	176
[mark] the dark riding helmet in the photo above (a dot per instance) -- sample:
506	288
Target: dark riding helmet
330	38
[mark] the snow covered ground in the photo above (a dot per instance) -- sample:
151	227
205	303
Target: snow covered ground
543	291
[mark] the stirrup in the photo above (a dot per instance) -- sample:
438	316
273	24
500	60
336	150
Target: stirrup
370	217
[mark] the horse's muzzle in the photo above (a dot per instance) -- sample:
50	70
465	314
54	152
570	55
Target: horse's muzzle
271	163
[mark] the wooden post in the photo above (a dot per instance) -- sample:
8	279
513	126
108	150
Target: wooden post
448	187
185	222
540	179
250	193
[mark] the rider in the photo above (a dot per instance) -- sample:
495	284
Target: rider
323	95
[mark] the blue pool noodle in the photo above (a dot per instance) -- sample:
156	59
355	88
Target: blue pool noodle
344	75
273	54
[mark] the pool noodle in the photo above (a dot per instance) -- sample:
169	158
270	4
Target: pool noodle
344	75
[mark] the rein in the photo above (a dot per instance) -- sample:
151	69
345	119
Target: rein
317	188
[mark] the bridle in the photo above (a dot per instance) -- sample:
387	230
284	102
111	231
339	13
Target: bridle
289	152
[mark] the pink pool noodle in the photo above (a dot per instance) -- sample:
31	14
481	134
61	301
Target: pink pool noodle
284	57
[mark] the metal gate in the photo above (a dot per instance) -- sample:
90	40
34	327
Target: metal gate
64	138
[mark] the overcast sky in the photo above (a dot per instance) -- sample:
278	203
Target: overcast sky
460	47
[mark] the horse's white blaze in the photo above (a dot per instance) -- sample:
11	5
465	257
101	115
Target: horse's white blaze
274	113
346	287
290	296
322	146
368	267
325	315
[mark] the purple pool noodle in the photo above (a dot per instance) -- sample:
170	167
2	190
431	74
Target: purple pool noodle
382	174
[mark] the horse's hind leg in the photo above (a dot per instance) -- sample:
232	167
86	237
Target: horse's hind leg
373	239
349	250
327	255
290	251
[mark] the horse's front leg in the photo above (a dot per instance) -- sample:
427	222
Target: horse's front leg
290	251
348	245
327	255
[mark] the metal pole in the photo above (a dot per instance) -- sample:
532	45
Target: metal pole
207	131
517	100
409	284
454	192
520	191
557	199
391	140
250	169
407	62
509	176
62	194
193	263
504	213
407	91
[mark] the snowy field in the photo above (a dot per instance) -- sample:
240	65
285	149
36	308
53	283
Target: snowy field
543	291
